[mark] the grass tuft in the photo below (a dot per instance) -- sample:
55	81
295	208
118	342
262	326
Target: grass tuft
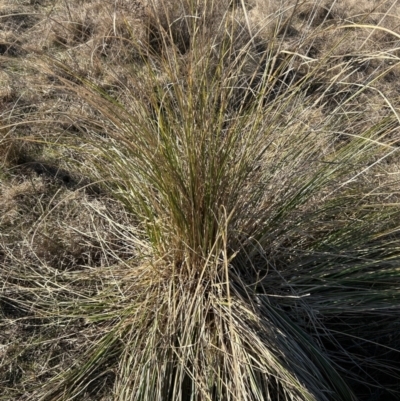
241	242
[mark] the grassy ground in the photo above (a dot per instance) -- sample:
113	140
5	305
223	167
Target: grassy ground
199	200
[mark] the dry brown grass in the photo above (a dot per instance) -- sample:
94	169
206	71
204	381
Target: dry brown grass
56	221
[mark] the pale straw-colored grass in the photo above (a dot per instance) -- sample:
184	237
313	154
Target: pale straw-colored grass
260	209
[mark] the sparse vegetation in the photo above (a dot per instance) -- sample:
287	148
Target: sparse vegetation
199	200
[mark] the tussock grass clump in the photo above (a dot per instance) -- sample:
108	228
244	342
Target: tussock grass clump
251	249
